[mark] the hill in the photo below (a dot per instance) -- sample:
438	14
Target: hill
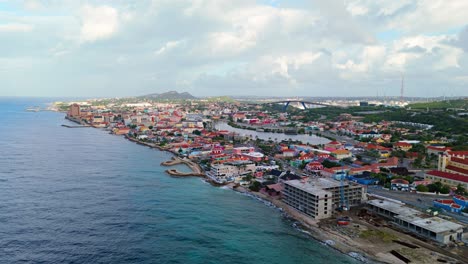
171	95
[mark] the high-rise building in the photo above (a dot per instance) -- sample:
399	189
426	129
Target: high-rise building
74	110
318	197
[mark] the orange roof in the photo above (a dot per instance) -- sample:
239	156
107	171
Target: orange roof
340	151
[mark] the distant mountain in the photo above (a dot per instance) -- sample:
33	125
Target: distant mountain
172	95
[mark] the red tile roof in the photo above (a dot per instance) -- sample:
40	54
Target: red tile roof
403	144
458	153
448	175
458	170
458	160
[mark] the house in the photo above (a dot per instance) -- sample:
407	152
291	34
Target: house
341	154
404	146
333	145
289	153
399	185
314	166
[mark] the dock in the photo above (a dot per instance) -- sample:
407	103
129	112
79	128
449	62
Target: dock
68	126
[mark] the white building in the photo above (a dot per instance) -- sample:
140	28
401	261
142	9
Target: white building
435	228
231	171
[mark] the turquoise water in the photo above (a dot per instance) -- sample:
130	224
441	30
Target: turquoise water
85	196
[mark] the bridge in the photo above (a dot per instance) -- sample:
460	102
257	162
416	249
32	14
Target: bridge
304	103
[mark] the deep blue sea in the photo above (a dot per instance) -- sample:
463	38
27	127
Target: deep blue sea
85	196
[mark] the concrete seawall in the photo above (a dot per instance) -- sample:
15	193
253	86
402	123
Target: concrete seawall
196	169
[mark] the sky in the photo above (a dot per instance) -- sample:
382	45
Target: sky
234	47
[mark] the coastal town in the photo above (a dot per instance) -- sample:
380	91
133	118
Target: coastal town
355	177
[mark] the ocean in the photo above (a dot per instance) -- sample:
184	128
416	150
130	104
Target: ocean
85	196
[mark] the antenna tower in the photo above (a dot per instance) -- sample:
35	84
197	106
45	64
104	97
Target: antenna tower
402	89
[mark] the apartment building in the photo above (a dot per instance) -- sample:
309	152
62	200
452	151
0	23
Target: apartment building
318	197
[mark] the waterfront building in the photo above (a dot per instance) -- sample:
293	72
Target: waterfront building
231	171
434	228
74	111
319	197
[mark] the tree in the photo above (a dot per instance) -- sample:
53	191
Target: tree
435	187
303	165
460	190
422	188
445	189
255	186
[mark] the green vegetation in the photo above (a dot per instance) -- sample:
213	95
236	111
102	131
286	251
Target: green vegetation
461	190
384	236
460	103
255	186
422	188
443	121
438	187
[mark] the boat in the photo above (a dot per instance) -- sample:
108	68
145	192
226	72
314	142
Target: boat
344	220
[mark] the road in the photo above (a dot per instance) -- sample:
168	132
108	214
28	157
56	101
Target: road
419	201
346	139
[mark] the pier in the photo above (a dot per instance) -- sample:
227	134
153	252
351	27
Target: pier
196	169
68	126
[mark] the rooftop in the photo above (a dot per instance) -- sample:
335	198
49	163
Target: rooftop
415	217
448	175
308	187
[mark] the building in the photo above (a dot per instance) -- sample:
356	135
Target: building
318	197
436	150
402	146
434	228
399	185
248	152
74	110
454	162
451	179
341	154
231	171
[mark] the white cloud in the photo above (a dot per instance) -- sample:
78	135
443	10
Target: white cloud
236	46
98	22
167	47
15	27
